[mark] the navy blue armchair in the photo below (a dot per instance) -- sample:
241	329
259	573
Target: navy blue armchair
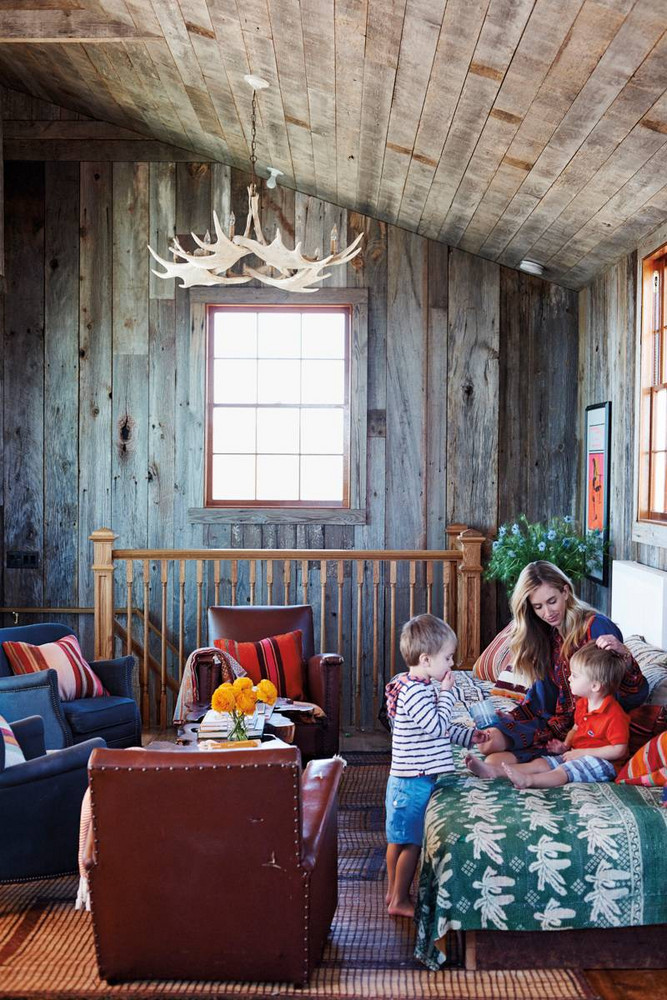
115	717
40	805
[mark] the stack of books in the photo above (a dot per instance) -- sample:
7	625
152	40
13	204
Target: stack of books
216	725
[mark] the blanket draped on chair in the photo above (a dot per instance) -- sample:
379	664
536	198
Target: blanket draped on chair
188	694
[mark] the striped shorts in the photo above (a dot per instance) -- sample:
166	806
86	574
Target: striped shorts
584	768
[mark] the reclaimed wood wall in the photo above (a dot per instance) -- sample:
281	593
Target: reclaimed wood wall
607	368
471	378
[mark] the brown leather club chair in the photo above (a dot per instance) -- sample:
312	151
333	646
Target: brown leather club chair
321	671
212	865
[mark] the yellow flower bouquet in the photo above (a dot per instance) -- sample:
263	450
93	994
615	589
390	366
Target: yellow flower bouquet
240	699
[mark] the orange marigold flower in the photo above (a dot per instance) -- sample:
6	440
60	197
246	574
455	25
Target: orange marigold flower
246	701
266	691
223	699
242	684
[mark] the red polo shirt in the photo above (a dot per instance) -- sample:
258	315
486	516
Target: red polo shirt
607	726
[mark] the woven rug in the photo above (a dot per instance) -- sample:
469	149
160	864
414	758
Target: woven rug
47	951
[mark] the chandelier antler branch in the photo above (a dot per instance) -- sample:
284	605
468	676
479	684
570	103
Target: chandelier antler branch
211	262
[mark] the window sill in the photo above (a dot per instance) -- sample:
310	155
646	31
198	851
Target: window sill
650	533
275	515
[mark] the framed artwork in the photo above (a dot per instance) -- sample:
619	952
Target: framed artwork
597	452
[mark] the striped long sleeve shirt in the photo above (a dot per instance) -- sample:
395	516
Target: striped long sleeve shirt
422	731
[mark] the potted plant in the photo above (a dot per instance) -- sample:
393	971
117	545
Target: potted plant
558	541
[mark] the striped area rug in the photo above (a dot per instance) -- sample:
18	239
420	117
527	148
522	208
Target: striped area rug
47	951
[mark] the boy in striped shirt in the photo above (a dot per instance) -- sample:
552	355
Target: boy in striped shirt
421	746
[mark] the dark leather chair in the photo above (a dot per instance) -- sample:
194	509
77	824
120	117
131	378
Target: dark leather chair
40	805
115	717
212	866
321	671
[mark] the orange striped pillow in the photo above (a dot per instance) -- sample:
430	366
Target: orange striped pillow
495	658
279	658
648	766
75	677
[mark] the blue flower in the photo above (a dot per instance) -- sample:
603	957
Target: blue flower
502	530
515	529
582	548
568	519
511	553
542	546
551	535
495	545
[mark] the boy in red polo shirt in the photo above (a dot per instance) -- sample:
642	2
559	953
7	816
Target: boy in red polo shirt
595	747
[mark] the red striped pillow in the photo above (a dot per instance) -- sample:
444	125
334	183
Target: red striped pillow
495	658
75	677
278	658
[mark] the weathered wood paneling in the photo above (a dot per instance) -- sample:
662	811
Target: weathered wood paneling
462	357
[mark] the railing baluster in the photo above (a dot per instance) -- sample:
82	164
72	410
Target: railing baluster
287	579
360	590
235	579
129	566
376	627
392	617
304	581
413	584
200	584
181	618
145	705
164	576
269	581
216	581
252	578
340	581
429	587
323	605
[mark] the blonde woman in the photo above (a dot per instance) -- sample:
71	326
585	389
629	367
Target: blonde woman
550	624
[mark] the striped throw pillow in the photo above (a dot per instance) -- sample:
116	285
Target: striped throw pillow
75	677
278	658
495	658
13	753
648	766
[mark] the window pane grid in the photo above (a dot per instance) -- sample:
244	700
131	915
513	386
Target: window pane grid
264	387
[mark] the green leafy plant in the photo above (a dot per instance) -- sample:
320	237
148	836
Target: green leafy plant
559	541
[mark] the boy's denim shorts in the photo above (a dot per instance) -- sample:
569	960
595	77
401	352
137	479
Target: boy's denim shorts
406	802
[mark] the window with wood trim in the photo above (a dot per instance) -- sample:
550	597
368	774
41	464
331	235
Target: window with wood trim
653	406
278	406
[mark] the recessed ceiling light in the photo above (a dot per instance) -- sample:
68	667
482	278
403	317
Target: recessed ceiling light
531	267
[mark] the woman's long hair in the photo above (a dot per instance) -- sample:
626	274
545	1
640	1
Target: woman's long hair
531	639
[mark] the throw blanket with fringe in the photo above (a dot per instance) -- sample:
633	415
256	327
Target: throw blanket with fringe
188	693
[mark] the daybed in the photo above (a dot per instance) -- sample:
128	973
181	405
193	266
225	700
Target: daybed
499	860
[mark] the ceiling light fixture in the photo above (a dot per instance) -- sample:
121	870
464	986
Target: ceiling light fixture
531	267
210	263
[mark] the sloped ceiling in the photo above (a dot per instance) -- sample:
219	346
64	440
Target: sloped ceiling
510	128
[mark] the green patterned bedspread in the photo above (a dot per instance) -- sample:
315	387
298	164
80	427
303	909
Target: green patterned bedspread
496	858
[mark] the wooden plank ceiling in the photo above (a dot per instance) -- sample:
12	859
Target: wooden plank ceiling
510	128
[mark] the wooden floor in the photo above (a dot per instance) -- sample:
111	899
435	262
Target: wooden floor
613	984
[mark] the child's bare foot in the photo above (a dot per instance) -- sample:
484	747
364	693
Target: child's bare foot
387	897
480	767
402	908
518	779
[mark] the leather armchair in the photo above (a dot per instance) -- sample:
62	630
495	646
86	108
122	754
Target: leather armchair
212	866
321	671
115	717
40	805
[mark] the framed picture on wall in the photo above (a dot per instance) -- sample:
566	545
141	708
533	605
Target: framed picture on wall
597	453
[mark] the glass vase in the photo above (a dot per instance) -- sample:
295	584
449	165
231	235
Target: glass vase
238	730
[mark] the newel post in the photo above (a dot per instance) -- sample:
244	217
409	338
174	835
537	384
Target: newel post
103	568
470	581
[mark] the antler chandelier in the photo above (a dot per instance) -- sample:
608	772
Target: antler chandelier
211	262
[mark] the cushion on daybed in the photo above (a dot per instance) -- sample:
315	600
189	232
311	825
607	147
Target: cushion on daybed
652	662
495	658
648	766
